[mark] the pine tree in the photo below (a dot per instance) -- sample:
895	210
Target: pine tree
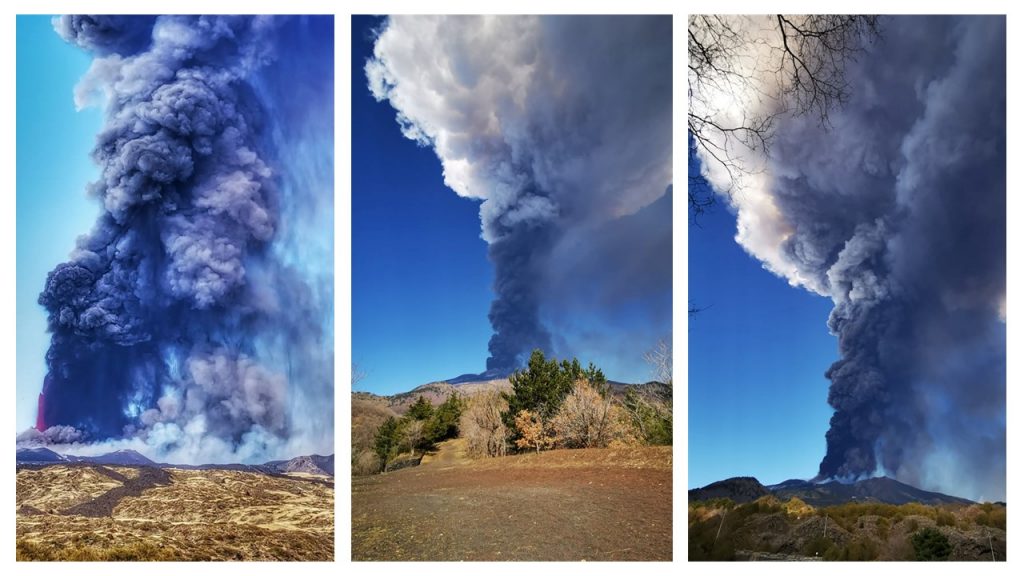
387	440
445	422
543	385
420	410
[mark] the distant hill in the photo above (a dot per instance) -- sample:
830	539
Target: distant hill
434	392
37	456
482	377
118	458
311	464
884	490
739	489
471	385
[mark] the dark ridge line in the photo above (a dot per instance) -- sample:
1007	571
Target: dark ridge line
104	504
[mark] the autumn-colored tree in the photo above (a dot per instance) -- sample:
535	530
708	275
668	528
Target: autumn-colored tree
532	431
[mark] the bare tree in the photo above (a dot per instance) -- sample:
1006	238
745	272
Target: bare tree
414	434
659	359
798	63
585	419
482	426
357	375
813	57
650	405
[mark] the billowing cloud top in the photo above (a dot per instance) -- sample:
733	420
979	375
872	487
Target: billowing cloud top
560	125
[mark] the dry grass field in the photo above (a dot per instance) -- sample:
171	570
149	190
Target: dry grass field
91	512
594	504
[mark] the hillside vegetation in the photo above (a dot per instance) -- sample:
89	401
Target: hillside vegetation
548	404
93	512
769	528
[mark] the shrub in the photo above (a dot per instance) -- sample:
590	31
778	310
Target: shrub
816	546
860	549
366	462
136	551
930	544
945	518
798	508
708	542
882	529
899	549
650	415
993	517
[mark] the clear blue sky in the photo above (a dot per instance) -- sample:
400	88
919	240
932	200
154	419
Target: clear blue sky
53	170
421	281
757	358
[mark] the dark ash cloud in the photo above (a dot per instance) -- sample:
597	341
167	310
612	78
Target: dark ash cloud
898	214
189	318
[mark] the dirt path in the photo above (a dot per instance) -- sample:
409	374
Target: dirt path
104	504
448	454
559	505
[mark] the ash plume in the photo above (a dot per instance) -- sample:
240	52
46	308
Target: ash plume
561	126
898	214
193	321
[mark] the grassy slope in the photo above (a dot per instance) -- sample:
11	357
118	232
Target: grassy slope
198	515
721	530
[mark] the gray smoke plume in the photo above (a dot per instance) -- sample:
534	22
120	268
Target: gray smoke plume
562	127
898	214
194	319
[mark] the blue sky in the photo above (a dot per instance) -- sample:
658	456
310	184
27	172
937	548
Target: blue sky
758	352
421	281
53	169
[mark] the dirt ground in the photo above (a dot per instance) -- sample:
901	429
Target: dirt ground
598	504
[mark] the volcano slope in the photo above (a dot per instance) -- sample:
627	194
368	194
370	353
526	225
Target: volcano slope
593	504
770	528
84	511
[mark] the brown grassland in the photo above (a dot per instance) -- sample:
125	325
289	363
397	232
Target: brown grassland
590	504
769	529
92	512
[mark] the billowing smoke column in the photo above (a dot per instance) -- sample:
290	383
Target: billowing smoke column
194	320
562	126
897	213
